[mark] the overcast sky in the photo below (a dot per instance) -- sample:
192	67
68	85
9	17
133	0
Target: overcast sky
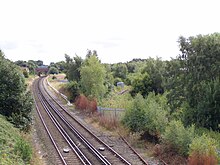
119	30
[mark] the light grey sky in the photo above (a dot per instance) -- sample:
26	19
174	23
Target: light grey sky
119	30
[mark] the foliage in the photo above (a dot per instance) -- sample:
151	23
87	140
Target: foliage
23	149
148	76
203	151
147	115
173	84
109	79
8	138
157	113
115	100
83	103
156	69
116	80
210	133
73	68
135	118
15	102
178	137
120	70
53	70
73	88
141	84
31	65
25	73
198	78
92	77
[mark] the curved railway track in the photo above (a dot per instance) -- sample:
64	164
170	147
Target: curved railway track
89	149
85	147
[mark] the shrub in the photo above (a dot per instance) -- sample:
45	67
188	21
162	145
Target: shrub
210	133
73	88
23	149
147	115
25	73
203	151
135	118
157	114
177	137
83	103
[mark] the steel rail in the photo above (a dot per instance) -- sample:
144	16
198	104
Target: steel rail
50	136
106	145
73	146
77	133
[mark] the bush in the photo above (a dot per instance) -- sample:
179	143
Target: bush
25	73
147	115
83	103
73	88
23	149
203	151
157	114
177	137
135	118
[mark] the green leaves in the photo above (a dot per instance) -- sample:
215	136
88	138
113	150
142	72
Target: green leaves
178	137
93	77
15	102
196	72
148	115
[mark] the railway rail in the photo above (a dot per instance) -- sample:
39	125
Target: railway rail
87	147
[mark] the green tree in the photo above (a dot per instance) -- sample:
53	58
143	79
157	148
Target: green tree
39	62
92	75
53	70
73	68
15	102
198	77
120	70
61	66
31	66
142	84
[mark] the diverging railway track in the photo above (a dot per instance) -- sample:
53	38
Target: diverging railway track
70	141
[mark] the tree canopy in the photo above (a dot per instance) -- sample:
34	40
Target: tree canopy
197	79
93	77
15	101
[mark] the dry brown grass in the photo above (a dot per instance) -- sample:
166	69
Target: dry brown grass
109	122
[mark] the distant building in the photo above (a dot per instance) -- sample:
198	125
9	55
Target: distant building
42	70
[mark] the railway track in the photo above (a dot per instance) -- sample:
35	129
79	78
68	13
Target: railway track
64	149
87	147
90	153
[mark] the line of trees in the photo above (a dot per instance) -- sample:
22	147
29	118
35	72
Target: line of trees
191	81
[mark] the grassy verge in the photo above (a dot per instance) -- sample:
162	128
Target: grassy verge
14	149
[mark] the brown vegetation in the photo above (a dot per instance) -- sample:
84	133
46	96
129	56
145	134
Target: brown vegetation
196	159
83	103
109	122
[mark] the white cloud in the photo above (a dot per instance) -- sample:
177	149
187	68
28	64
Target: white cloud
119	30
